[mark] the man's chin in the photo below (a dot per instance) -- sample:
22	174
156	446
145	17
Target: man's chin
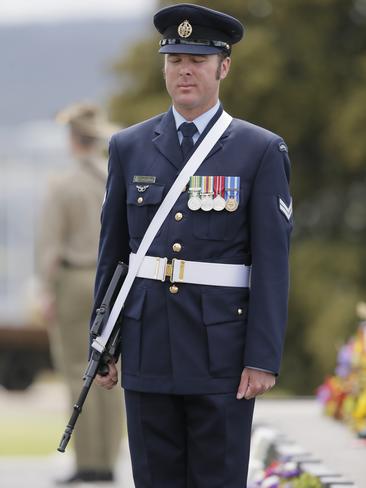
186	103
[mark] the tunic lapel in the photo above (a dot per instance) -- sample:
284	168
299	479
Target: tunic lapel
166	140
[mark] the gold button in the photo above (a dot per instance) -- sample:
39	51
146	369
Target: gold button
240	311
140	200
173	289
177	247
178	216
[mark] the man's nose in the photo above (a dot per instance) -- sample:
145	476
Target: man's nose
185	68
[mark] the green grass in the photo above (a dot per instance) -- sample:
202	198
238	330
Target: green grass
25	435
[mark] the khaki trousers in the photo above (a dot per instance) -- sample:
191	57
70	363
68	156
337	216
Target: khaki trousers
98	431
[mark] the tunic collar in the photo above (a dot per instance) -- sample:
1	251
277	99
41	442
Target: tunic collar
200	122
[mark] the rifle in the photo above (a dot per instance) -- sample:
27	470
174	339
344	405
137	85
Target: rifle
98	362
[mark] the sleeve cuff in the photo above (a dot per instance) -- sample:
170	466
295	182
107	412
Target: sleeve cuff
261	369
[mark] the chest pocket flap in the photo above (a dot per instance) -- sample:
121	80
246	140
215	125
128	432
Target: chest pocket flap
152	195
227	306
142	203
224	316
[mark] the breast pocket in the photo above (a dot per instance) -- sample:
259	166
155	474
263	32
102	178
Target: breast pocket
141	207
222	225
224	316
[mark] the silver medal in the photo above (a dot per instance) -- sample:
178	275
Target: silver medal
194	203
207	203
219	203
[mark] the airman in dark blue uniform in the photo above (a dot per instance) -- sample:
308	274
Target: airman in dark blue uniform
197	345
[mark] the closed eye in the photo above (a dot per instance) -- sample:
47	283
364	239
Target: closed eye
174	59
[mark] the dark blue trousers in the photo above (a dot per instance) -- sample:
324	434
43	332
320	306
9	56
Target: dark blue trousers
189	441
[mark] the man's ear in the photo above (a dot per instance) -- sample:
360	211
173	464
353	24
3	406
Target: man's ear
225	68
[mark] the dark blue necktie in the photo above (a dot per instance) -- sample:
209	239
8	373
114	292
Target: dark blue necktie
188	129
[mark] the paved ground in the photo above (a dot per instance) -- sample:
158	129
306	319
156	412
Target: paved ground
302	421
299	420
40	471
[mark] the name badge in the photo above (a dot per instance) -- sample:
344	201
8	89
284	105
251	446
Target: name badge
144	179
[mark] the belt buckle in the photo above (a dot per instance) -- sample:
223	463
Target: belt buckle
164	269
169	270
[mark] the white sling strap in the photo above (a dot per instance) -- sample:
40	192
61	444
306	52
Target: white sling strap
189	169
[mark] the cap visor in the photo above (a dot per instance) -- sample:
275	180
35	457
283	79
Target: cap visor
189	49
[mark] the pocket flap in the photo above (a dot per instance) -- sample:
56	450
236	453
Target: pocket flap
148	194
135	304
228	306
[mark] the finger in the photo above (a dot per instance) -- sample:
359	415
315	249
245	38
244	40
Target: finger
256	389
113	372
251	392
243	386
106	381
112	379
107	385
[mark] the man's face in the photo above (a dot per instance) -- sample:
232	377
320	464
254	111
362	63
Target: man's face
193	81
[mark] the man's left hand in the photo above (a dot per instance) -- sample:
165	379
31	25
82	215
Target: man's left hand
254	382
109	380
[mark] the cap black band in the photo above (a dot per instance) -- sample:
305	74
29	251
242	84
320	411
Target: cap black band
219	44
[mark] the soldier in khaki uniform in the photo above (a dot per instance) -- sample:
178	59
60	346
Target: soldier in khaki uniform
68	245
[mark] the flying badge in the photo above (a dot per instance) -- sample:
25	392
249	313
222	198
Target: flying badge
142	188
219	193
232	193
194	200
207	193
284	208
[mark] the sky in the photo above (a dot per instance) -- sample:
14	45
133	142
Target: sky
20	11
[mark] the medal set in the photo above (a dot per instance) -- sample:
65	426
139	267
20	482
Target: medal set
214	193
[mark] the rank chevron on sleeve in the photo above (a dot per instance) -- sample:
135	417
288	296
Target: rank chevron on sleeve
286	210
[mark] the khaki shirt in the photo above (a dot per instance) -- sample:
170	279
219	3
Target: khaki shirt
70	219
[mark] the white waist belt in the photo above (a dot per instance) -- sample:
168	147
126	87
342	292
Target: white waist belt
194	272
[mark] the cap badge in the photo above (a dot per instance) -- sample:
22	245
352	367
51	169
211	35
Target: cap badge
185	29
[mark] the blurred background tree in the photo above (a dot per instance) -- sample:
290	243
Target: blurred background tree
301	72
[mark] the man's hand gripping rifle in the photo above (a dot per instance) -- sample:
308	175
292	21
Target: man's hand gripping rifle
98	362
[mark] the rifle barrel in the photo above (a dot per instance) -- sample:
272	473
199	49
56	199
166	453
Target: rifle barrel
75	414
